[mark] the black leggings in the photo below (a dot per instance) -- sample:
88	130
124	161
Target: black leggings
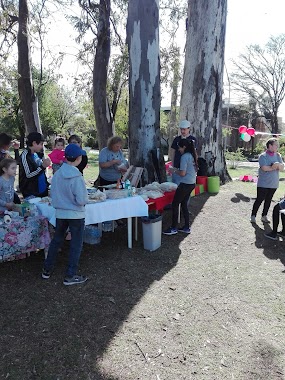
263	194
275	219
182	195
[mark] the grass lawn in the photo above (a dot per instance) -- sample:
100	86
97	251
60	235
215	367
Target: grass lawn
253	171
92	169
204	306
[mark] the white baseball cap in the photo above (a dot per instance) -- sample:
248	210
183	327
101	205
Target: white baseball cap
184	124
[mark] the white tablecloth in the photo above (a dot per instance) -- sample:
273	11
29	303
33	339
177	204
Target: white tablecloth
111	209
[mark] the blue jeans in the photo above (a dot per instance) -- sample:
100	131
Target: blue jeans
181	196
76	227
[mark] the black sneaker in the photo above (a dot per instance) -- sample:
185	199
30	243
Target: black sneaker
281	234
45	274
272	235
76	279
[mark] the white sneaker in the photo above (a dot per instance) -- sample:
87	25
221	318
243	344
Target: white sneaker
252	219
264	219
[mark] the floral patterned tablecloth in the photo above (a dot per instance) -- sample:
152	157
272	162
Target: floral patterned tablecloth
22	236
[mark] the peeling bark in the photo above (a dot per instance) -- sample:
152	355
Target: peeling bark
144	88
172	127
201	99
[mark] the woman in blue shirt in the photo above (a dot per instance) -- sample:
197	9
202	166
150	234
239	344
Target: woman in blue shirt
270	163
188	173
112	162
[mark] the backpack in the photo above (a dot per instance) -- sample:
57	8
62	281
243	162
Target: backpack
202	167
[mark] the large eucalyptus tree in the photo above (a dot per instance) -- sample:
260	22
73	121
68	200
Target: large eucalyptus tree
28	99
144	88
201	99
107	82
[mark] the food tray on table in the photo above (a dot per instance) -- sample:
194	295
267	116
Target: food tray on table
96	196
90	201
117	193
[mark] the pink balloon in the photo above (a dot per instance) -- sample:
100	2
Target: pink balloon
250	131
242	129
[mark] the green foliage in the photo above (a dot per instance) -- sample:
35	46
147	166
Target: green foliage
234	157
281	149
11	120
122	115
226	132
164	122
259	148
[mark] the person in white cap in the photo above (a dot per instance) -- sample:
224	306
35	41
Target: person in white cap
175	155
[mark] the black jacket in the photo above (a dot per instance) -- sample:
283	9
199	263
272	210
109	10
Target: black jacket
29	172
83	164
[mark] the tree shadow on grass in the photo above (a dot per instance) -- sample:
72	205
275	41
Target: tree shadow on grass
50	332
272	249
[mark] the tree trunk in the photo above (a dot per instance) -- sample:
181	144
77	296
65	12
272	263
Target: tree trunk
201	99
103	115
144	89
172	127
29	104
274	122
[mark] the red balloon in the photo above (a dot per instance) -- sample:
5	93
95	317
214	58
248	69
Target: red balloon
250	131
242	129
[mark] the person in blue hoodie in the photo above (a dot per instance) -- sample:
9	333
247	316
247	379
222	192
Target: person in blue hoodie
69	197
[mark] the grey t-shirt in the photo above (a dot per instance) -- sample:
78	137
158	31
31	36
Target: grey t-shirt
187	163
112	173
268	180
6	192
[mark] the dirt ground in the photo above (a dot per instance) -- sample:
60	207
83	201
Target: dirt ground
205	306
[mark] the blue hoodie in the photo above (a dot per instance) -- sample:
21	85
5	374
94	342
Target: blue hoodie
68	193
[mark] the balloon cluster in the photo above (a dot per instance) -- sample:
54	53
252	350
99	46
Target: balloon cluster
246	133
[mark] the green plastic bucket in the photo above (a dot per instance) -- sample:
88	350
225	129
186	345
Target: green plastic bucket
213	184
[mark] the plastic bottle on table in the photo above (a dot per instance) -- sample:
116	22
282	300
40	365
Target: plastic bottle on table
128	187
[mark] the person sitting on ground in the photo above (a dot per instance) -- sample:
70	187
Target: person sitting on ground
175	156
277	210
69	197
57	154
270	163
112	163
8	170
32	176
188	173
75	139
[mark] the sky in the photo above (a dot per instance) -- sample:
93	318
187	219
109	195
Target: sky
248	22
252	22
